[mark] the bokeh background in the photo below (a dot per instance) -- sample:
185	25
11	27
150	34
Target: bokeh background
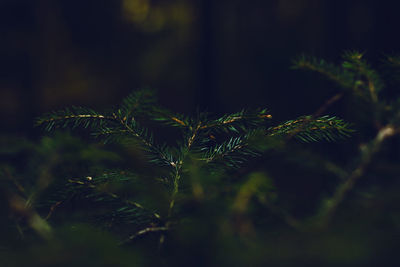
220	56
216	55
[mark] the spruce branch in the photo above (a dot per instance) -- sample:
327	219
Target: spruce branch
232	152
137	102
231	147
354	73
157	154
169	118
112	127
179	163
73	117
307	129
354	62
239	121
342	77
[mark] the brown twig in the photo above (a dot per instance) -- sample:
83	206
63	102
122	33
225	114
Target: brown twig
327	104
52	208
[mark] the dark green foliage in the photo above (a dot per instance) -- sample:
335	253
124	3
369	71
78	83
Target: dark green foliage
308	129
354	74
240	188
223	141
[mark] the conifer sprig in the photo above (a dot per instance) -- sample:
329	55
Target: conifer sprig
239	121
307	129
169	118
74	117
223	141
138	102
231	153
342	77
354	73
367	77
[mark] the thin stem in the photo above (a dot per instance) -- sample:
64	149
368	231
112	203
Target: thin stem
327	104
332	204
178	166
93	116
232	120
145	231
52	209
174	191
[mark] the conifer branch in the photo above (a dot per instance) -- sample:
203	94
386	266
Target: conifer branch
141	134
138	102
354	62
235	130
232	152
311	130
349	75
242	118
178	166
169	118
342	77
317	114
74	117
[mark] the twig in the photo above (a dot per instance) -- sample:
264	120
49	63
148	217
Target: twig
178	167
332	204
52	208
327	104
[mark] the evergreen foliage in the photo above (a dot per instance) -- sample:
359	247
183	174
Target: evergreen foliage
183	189
199	137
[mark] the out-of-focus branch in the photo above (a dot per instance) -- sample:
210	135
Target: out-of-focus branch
343	189
21	207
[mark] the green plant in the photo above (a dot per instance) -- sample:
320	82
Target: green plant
192	175
225	141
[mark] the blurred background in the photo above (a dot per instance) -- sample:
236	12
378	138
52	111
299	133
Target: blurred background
220	56
216	55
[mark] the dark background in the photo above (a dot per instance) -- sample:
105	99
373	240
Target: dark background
216	55
219	56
